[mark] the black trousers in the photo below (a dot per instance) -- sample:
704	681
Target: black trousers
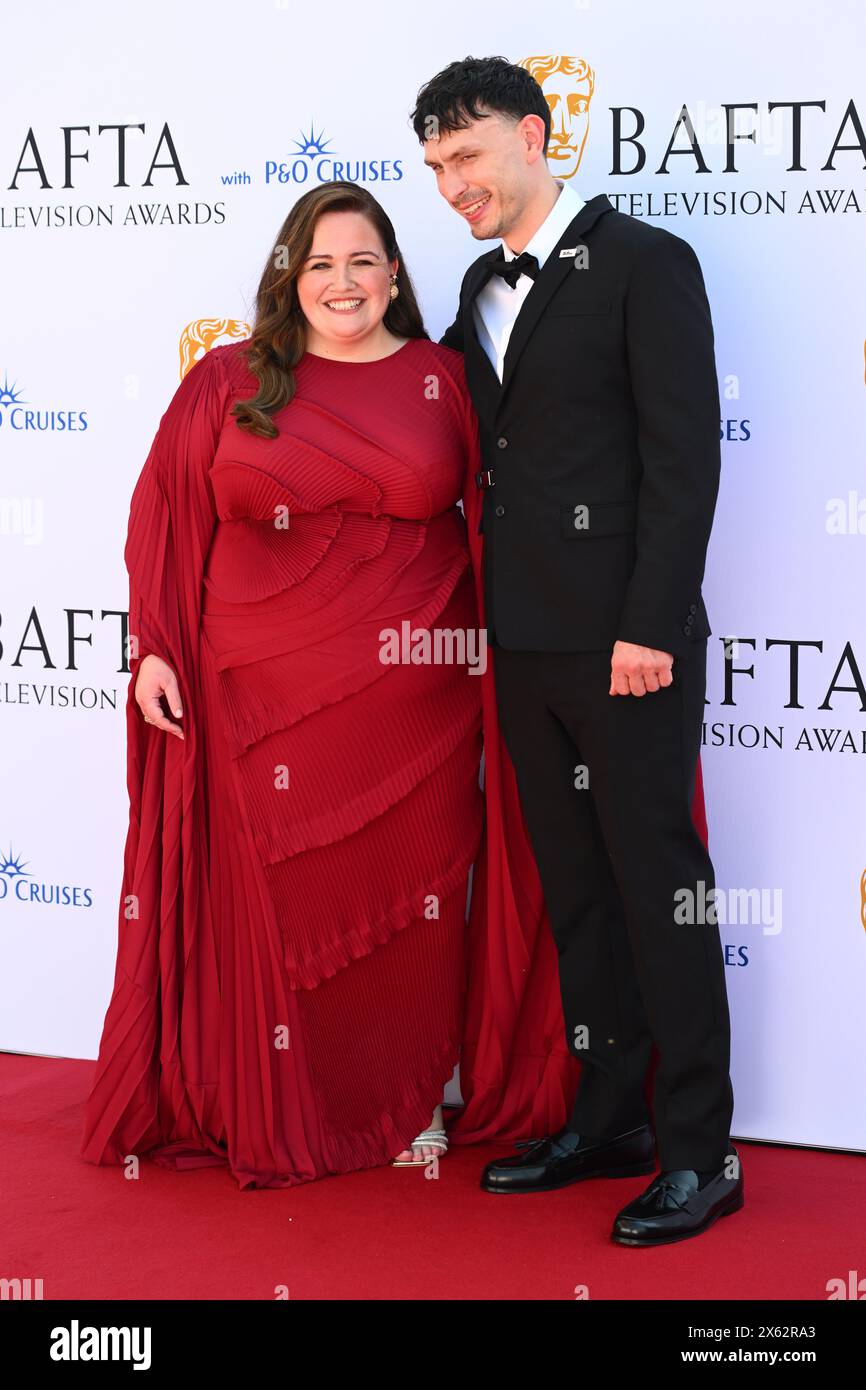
616	849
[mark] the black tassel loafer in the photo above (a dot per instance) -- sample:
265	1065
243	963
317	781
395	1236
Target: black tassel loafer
673	1207
564	1157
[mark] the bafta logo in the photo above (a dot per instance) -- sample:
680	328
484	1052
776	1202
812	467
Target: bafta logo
568	84
202	334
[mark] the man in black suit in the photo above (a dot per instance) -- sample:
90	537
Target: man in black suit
589	356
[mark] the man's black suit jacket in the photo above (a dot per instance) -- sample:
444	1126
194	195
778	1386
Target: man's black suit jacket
603	439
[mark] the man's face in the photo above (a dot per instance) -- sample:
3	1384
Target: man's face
483	171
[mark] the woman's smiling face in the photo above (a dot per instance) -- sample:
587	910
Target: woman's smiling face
343	286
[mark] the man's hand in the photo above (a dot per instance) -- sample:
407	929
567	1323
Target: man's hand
156	679
635	670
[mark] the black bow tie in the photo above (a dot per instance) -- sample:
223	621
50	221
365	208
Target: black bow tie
511	271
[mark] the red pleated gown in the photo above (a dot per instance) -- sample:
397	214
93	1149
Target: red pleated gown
295	975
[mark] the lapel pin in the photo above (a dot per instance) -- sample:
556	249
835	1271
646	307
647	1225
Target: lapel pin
568	251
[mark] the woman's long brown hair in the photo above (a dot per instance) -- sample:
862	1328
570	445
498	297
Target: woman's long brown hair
278	340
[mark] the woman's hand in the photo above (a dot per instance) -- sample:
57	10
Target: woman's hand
155	679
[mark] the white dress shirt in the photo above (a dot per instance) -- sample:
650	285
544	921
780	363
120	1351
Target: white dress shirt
498	305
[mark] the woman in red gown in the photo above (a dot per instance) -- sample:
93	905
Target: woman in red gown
293	986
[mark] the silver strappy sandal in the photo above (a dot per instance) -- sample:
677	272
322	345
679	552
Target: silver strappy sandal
432	1139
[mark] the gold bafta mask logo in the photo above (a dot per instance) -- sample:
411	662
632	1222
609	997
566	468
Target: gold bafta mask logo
568	84
202	334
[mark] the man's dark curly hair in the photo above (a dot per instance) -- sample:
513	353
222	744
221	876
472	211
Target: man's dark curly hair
455	95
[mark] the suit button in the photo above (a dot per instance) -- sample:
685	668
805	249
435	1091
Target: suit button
502	442
693	608
500	510
688	629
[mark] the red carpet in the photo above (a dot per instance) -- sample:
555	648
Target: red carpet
388	1233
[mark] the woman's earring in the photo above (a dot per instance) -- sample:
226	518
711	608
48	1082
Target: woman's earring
393	290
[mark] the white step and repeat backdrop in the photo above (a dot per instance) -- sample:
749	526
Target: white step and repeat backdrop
148	157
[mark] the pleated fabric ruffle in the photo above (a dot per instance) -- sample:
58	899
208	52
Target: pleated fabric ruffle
291	992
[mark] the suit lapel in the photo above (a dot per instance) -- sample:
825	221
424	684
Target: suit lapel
549	278
481	272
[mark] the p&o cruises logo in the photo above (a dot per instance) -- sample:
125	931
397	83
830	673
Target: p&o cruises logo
314	162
